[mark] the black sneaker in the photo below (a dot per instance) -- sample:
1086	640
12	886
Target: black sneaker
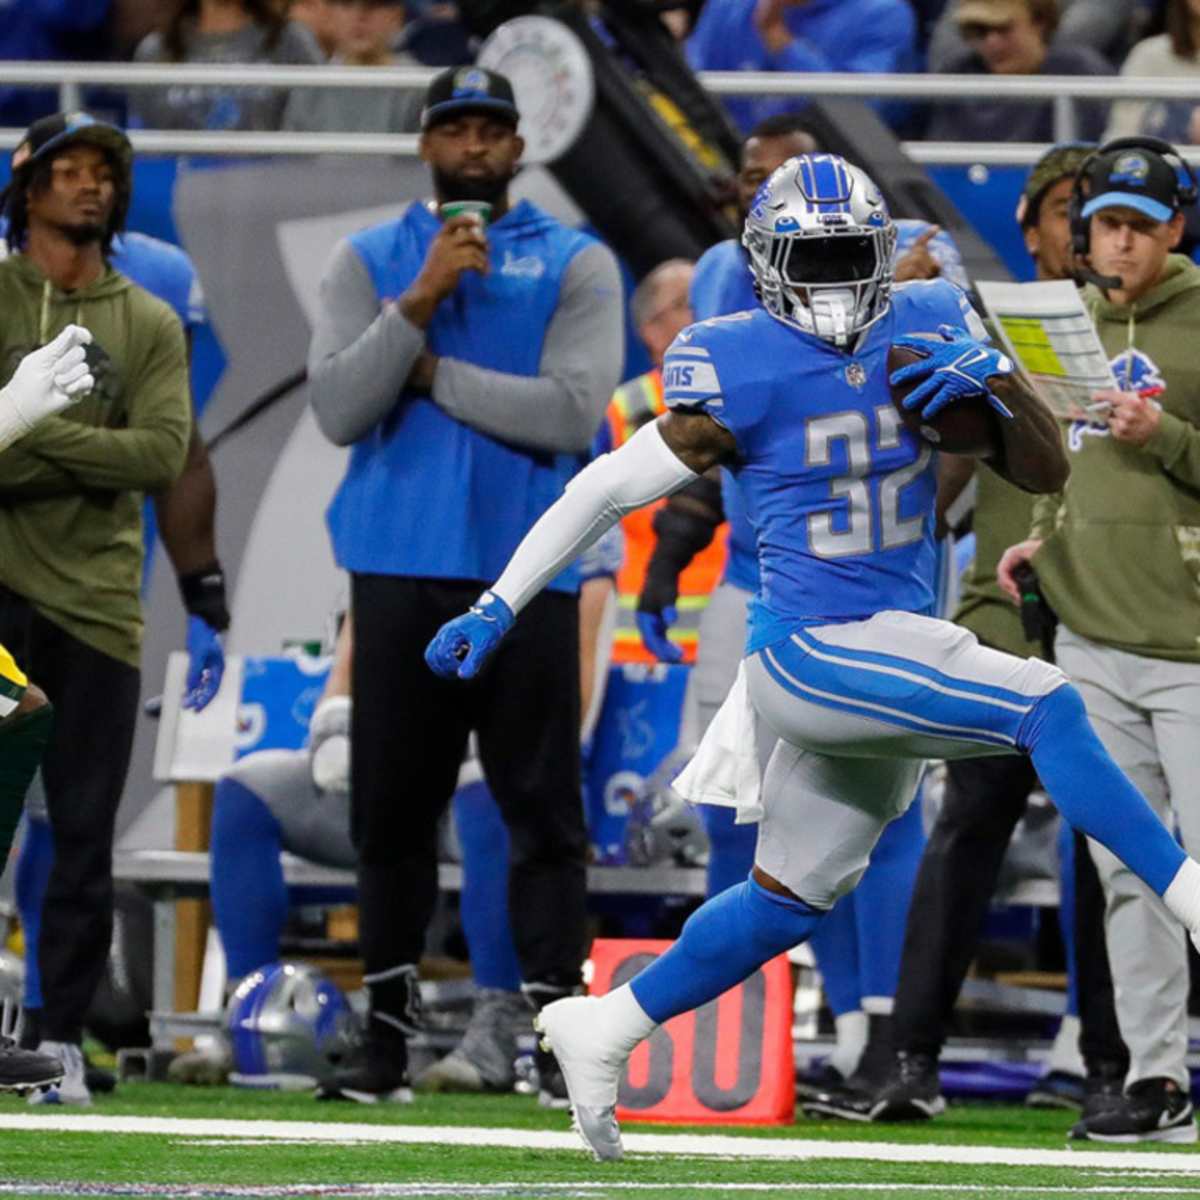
376	1072
844	1104
855	1099
23	1070
1057	1089
914	1092
1104	1090
1152	1110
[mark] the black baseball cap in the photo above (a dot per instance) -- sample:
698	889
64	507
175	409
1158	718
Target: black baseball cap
49	134
1133	178
468	89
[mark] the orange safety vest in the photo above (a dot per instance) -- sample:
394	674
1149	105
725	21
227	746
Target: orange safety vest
632	406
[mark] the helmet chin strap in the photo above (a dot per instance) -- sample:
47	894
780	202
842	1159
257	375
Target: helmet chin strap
832	312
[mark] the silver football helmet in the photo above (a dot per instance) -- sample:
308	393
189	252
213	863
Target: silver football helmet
820	242
289	1027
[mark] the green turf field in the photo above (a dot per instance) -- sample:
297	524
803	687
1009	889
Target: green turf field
160	1140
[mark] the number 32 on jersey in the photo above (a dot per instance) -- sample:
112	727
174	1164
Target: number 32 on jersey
867	517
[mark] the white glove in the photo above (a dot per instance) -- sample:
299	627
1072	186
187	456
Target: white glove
45	382
329	744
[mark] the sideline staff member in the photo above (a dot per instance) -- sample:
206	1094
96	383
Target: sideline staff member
469	367
1116	554
71	544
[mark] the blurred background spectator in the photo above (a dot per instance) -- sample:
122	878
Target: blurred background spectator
434	34
1107	26
1162	56
1013	37
318	17
800	35
47	30
221	31
364	33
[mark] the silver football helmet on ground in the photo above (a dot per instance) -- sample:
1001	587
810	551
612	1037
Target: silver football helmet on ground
820	242
289	1027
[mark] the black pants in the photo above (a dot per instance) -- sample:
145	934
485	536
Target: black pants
95	707
985	798
409	734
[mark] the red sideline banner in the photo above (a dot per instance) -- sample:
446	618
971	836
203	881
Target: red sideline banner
729	1062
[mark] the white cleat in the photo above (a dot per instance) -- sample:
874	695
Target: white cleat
592	1074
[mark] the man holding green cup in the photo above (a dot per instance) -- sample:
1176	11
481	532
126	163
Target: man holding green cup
466	351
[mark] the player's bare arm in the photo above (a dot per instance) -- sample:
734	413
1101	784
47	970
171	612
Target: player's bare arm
697	440
1031	453
954	472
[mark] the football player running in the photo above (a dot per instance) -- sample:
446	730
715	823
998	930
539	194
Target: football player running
843	665
45	382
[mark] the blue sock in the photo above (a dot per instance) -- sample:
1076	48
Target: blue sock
731	848
484	902
249	896
723	942
1093	793
835	947
881	903
1066	911
33	874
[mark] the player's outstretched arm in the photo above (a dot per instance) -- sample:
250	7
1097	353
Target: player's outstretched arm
45	382
659	459
1032	454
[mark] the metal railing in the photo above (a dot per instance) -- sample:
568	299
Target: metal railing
1063	90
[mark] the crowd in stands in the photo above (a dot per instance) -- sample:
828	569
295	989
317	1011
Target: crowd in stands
1127	38
973	37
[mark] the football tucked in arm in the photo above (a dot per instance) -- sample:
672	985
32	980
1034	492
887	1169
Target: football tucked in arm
969	426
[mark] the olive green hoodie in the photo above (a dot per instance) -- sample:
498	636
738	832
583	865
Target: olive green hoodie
71	490
1121	558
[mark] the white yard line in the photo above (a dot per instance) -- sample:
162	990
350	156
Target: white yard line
691	1144
517	1189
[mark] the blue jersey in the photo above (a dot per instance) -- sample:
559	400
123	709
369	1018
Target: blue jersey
164	271
840	492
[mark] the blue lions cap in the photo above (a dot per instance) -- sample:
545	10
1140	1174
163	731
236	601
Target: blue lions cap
1133	178
468	89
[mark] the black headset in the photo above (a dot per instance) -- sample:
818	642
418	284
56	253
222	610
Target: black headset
1185	192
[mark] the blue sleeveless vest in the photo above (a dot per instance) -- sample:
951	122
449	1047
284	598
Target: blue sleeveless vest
425	495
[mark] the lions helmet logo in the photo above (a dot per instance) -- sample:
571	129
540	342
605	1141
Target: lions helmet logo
470	81
1137	372
1131	170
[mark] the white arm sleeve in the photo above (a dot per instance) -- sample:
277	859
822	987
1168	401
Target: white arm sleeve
641	471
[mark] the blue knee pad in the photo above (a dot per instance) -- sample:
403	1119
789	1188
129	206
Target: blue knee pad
249	896
723	942
1092	792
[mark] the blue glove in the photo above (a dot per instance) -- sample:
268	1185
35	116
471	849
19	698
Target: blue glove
653	628
461	647
953	369
206	664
